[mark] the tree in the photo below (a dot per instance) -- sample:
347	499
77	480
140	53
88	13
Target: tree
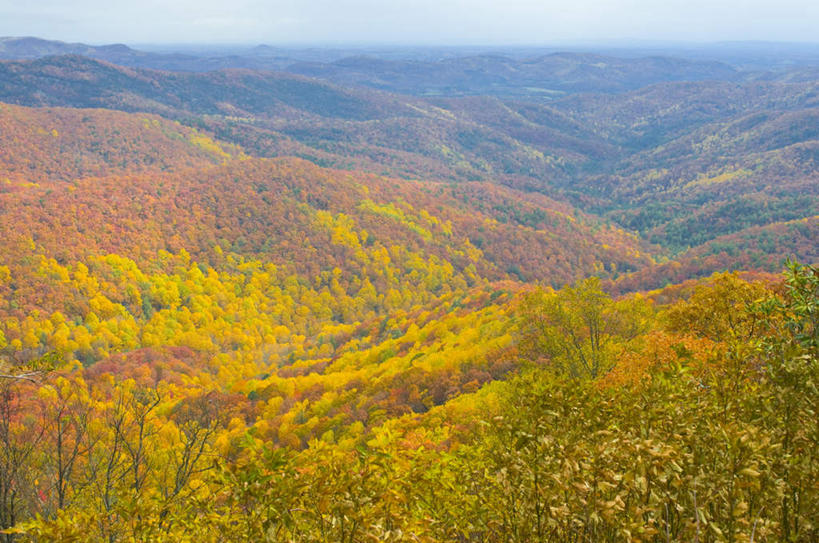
718	310
789	401
21	434
579	328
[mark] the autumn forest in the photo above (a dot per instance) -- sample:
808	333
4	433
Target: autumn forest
483	298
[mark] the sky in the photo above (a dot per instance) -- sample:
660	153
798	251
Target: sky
423	22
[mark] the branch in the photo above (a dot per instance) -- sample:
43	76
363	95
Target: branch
30	376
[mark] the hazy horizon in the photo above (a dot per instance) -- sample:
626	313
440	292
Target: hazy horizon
623	43
413	22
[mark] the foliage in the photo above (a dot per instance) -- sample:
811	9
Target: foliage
199	345
714	440
580	328
682	163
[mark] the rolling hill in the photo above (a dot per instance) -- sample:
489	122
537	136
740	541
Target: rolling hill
679	162
408	302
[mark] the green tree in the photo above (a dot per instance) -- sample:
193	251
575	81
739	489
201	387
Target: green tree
580	328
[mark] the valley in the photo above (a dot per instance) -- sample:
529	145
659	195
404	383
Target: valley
566	296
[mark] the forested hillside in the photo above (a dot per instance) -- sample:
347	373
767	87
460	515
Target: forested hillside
246	305
681	163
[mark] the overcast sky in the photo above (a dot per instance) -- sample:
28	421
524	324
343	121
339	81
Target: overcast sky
478	22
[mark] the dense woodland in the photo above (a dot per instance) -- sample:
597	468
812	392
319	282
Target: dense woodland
253	306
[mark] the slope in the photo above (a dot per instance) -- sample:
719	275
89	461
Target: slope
62	144
353	246
680	163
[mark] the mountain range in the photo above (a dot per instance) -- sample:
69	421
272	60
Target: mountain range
413	295
680	163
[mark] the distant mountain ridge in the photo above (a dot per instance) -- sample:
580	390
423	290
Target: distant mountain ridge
79	81
30	47
544	76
